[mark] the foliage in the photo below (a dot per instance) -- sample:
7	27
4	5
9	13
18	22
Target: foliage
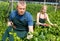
40	34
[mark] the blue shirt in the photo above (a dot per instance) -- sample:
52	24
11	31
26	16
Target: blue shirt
21	17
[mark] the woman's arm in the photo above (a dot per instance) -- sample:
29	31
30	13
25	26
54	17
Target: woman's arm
38	23
48	20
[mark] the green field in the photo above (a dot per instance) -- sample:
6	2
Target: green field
40	34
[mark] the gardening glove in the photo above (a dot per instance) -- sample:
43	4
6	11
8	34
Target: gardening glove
29	36
10	24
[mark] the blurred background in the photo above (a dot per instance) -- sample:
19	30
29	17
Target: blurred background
34	6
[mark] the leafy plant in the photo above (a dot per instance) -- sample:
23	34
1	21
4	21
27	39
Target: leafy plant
40	34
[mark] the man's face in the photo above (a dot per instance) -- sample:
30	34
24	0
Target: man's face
21	9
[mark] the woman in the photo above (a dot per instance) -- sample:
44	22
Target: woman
42	16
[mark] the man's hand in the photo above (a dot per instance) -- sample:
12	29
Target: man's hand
14	27
10	24
29	36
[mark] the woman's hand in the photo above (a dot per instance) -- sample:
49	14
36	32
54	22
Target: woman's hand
45	24
38	23
54	25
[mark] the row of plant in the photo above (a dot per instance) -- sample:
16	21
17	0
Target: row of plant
40	34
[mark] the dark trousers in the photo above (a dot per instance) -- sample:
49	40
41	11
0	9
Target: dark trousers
6	34
21	34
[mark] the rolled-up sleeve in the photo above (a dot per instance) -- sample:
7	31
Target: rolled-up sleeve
30	20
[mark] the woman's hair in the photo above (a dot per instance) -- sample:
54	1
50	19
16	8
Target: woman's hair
43	8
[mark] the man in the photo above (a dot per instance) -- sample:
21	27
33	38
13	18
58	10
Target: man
21	21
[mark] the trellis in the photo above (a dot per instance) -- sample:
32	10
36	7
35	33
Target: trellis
12	1
43	3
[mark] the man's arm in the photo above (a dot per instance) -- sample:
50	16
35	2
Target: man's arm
31	29
30	26
11	16
30	23
10	23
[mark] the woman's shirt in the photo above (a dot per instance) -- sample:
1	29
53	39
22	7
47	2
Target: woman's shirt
42	20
